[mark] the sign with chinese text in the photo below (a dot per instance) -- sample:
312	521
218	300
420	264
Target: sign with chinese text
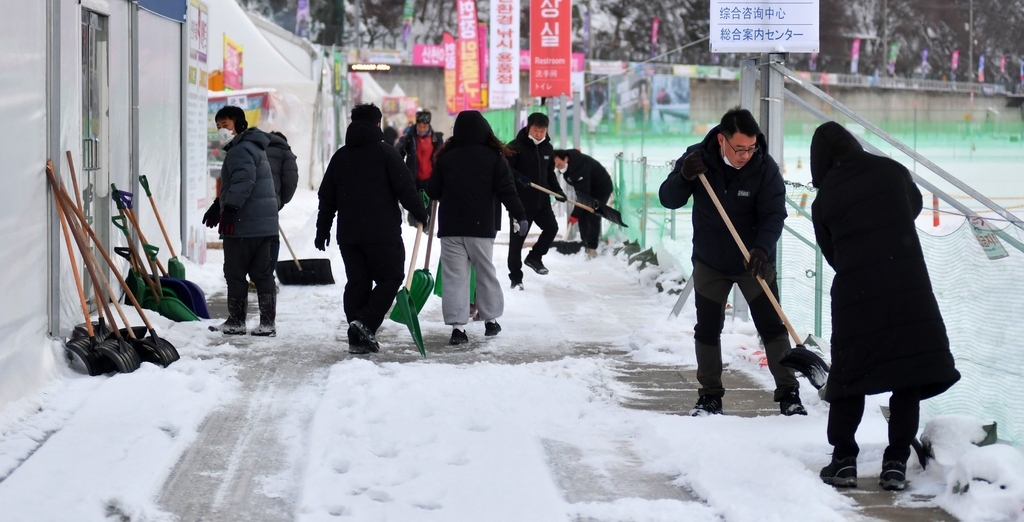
468	61
450	87
764	26
428	55
550	47
987	238
233	67
503	74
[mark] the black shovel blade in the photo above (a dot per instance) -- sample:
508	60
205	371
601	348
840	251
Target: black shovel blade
314	272
99	329
120	354
84	357
808	364
611	214
156	350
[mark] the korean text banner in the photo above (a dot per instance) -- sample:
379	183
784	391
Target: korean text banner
468	56
233	66
503	74
428	55
550	47
764	26
450	77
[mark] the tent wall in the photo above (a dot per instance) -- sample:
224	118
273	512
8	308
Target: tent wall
25	360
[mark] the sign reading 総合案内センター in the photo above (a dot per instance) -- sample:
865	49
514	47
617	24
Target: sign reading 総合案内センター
764	26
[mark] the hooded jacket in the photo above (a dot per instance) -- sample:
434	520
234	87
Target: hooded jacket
407	147
887	331
283	167
247	184
364	182
536	162
588	177
754	198
471	180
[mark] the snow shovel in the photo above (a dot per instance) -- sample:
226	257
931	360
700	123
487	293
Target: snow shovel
99	357
174	267
422	281
595	207
472	283
163	302
152	349
804	361
403	301
303	271
193	298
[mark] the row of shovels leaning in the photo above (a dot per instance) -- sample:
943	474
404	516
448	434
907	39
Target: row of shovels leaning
100	347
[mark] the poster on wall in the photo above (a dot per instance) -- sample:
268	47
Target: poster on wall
194	199
233	66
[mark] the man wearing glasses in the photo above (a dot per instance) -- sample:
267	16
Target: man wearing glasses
746	179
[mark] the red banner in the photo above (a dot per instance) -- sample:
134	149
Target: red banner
550	47
468	56
450	88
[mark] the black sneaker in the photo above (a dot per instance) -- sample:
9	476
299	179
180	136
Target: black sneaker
356	346
458	337
491	328
894	476
536	265
791	405
840	473
517	285
365	336
707	405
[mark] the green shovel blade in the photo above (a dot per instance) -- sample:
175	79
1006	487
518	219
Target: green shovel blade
175	269
405	304
472	283
422	285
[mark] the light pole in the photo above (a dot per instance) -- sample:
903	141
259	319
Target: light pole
970	45
885	34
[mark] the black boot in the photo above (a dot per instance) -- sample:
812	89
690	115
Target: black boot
235	325
894	476
840	473
268	314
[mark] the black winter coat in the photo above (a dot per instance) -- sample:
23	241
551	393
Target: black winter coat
364	183
887	331
407	147
469	180
754	199
247	184
284	169
589	177
536	162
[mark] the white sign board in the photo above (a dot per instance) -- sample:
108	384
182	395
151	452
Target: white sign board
764	26
194	202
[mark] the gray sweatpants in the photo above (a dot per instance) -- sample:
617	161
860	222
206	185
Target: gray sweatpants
457	254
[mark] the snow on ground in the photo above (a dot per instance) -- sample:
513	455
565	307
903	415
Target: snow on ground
495	438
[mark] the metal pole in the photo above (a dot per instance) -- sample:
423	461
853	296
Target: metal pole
885	34
772	104
577	115
819	283
563	121
643	193
359	17
970	47
53	117
748	83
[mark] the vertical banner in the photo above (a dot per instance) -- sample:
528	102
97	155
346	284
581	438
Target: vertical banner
302	19
924	62
481	45
1002	65
468	62
1022	70
450	87
954	63
981	68
654	36
894	51
407	14
233	66
854	55
586	31
503	63
550	47
194	201
813	62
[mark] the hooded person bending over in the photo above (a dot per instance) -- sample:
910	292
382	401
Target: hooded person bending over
746	179
887	331
363	184
470	178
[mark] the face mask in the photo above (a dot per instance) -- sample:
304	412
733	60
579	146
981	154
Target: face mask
535	140
561	171
225	136
726	160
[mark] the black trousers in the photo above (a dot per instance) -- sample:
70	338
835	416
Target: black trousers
275	250
904	415
590	226
375	272
543	218
248	256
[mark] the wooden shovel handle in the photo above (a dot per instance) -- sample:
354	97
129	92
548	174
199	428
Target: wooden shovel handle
159	221
581	205
71	255
289	245
430	233
415	251
746	256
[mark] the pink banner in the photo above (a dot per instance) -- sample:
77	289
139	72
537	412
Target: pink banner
854	55
956	59
468	57
428	55
233	67
481	42
450	77
654	36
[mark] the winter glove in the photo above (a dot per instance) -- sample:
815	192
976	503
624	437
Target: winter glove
322	240
523	180
212	216
561	198
323	231
758	264
228	220
521	227
693	165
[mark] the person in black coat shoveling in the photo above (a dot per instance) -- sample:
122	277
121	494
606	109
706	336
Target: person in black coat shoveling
887	331
469	180
594	187
363	184
286	180
246	213
746	179
532	160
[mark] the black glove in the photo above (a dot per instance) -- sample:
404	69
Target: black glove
212	216
323	230
561	198
523	180
693	165
322	240
758	264
228	219
522	227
